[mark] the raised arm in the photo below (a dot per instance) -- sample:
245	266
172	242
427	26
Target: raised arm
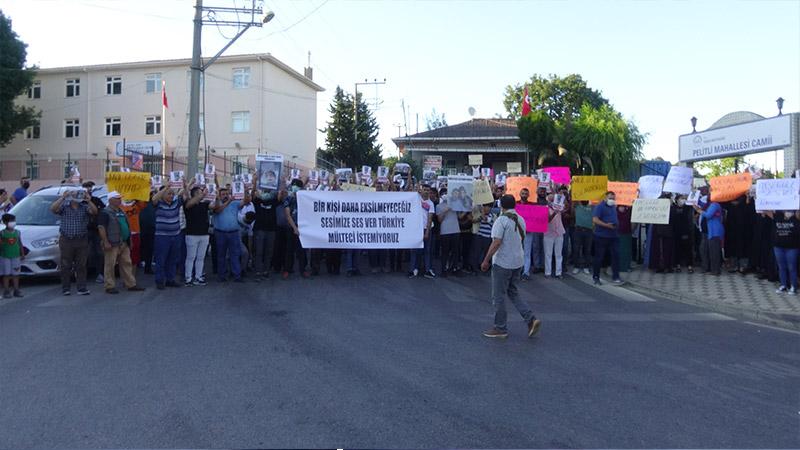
55	208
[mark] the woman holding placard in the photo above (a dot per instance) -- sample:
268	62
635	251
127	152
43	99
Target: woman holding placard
553	238
786	236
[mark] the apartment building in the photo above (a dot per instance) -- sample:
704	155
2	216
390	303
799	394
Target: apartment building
251	104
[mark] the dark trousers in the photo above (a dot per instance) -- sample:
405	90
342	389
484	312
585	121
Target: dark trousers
466	250
684	251
264	243
480	245
73	259
602	246
147	240
582	248
395	258
333	261
661	253
294	250
95	258
167	252
229	246
279	251
451	249
711	254
377	259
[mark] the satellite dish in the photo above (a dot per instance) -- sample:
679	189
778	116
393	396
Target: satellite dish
471	111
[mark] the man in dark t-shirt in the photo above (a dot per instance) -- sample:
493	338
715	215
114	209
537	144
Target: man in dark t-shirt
266	204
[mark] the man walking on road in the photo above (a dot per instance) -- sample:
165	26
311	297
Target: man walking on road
506	258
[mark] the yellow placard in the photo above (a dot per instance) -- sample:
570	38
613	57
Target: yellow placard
730	187
626	193
131	185
589	187
516	184
482	192
357	188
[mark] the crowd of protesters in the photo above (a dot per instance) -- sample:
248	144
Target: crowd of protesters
256	236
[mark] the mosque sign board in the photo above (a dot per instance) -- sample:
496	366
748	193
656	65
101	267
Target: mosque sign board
742	139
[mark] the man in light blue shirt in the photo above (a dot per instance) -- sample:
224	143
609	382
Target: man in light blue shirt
226	234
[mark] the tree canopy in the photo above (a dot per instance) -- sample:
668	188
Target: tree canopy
15	79
573	125
352	144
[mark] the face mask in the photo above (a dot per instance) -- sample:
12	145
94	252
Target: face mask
295	189
266	195
611	202
11	225
786	214
681	202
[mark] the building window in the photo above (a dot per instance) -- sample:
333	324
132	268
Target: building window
152	83
71	128
113	126
73	87
202	122
32	132
241	77
240	121
113	85
189	81
152	125
32	169
35	91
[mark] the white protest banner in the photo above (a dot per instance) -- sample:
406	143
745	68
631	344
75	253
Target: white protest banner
176	179
650	186
210	170
344	175
247	179
698	182
679	180
514	167
295	174
651	210
270	169
211	192
155	181
383	174
693	198
355	220
544	177
199	179
558	202
500	179
432	162
459	193
428	176
486	172
324	177
238	190
366	171
782	194
475	160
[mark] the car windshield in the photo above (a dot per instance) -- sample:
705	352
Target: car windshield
35	210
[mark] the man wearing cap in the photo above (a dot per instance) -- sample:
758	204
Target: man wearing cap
115	234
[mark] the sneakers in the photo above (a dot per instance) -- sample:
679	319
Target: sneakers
576	271
99	279
18	293
526	277
533	327
188	283
780	290
413	273
617	281
587	271
597	282
792	291
430	274
199	282
83	291
495	333
66	292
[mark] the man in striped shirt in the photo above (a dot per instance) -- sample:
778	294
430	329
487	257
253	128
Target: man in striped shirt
168	240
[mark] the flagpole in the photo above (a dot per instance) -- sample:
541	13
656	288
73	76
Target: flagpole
163	130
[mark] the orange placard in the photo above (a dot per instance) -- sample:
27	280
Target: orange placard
730	187
516	184
626	193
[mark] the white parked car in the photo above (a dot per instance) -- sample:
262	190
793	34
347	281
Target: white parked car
39	228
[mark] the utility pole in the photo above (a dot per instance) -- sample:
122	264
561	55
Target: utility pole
375	82
218	16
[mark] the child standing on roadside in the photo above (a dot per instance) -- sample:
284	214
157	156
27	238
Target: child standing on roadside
10	255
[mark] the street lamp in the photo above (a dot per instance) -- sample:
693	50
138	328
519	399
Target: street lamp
779	101
694	124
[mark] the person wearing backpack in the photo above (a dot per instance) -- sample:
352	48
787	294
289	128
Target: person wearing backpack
506	258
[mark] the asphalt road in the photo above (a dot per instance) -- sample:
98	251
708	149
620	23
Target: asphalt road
384	361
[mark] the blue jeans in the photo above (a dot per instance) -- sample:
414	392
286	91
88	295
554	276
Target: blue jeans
787	266
425	252
533	247
601	246
167	252
228	245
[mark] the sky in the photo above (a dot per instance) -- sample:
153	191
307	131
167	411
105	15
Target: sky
658	62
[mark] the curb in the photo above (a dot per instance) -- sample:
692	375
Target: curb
782	320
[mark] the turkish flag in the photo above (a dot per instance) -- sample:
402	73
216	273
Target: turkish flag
164	94
526	103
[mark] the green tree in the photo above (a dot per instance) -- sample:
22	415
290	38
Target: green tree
717	167
15	79
561	98
435	120
352	144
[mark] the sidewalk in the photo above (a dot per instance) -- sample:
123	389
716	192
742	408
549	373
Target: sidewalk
745	297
